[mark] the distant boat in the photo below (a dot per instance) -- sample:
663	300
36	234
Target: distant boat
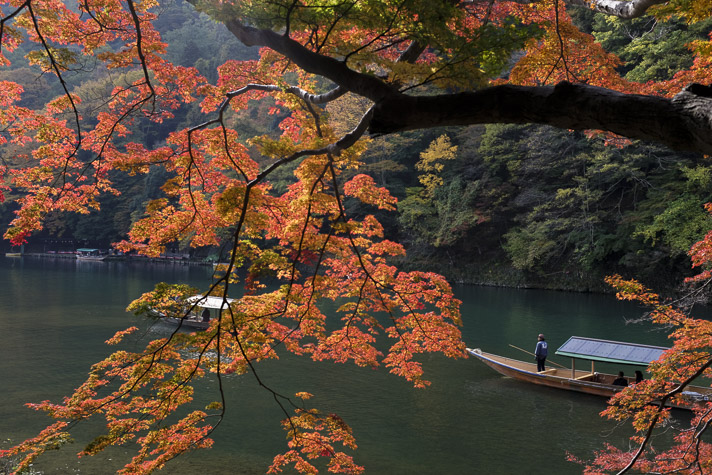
203	309
87	254
19	253
589	382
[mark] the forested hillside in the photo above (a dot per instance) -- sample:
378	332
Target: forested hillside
178	22
510	204
536	205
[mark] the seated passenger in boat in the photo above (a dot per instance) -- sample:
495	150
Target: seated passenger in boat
620	380
638	376
206	315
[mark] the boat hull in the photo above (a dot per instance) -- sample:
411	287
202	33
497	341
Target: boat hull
188	323
582	381
559	378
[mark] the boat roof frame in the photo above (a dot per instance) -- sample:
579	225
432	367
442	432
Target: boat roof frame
595	349
210	301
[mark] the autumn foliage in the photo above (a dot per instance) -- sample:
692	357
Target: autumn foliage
290	249
644	404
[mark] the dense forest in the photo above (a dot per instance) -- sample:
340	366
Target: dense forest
519	205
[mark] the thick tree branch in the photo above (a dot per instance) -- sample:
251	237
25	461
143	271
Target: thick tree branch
315	63
683	123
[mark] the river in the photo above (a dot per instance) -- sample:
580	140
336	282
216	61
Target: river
56	314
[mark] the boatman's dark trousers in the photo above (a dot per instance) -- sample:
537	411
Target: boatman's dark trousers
540	364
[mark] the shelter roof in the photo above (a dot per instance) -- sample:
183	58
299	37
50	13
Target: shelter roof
209	301
610	351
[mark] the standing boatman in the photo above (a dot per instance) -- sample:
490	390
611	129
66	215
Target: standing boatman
541	351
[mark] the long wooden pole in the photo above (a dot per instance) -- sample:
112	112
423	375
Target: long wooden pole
525	351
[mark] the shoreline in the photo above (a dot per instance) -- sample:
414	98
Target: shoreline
116	258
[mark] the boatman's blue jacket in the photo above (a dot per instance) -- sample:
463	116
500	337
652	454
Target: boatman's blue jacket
542	349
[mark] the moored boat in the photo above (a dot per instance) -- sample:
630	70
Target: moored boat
86	254
200	311
16	252
589	382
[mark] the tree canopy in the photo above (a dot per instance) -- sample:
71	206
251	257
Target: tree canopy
330	76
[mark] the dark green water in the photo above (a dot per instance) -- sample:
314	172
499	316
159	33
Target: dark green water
56	314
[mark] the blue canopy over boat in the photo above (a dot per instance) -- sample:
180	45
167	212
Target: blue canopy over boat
610	351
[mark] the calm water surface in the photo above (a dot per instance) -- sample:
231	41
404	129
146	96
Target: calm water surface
56	314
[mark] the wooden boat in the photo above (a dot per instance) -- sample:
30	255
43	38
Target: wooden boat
86	254
200	310
16	252
589	382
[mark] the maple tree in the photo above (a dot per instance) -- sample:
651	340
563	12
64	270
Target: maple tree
407	64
